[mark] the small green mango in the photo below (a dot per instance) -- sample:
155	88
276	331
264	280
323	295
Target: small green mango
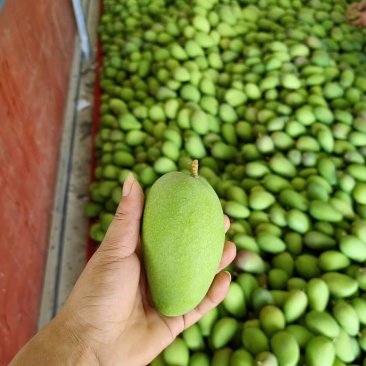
183	234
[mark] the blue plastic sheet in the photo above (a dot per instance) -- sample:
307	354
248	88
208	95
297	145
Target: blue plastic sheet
2	3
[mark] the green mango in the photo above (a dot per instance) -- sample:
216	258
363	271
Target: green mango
347	317
285	348
261	297
266	359
298	221
158	361
270	243
333	260
362	339
293	199
177	353
295	305
301	333
223	332
234	302
353	248
306	266
248	283
199	359
164	165
358	193
322	323
174	287
324	212
261	200
236	210
222	357
282	166
245	242
320	352
339	284
271	319
193	338
241	357
294	243
318	240
254	340
249	262
207	322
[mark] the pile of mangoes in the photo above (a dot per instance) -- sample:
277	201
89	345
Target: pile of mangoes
269	95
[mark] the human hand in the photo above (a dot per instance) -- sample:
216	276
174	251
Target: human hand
356	14
109	313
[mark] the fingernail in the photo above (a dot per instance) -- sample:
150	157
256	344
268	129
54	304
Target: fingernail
127	185
229	275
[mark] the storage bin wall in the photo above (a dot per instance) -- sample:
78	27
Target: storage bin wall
36	48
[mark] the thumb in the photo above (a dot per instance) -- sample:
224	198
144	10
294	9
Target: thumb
123	233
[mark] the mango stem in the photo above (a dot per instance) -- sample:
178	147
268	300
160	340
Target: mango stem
194	169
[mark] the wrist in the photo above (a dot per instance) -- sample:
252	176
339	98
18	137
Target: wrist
75	347
62	342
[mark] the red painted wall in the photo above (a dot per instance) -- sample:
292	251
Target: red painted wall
36	44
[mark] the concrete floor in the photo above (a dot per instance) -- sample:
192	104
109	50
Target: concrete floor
69	230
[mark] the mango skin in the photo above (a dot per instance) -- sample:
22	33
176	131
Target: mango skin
183	234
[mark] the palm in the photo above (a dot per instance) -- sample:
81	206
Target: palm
117	312
111	300
117	308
